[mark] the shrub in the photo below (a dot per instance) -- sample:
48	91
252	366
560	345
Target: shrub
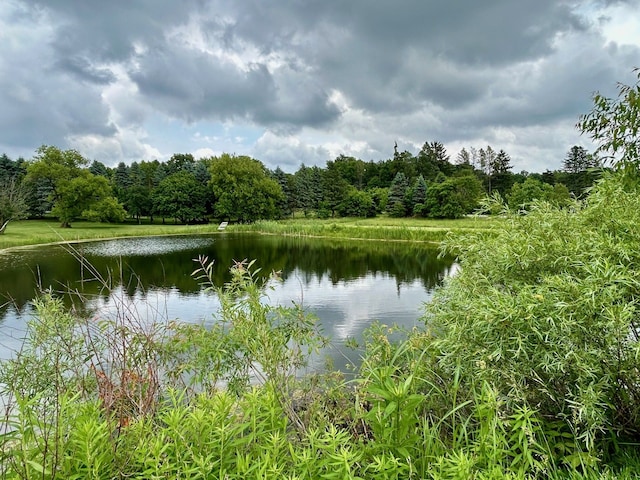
545	311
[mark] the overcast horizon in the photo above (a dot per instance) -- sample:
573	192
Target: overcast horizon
290	82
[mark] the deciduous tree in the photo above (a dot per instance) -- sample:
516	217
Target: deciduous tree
13	202
180	196
243	189
73	189
614	123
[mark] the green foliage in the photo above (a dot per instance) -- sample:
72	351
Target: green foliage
243	189
614	125
523	312
335	188
251	340
380	197
308	188
138	201
357	203
409	413
180	196
107	210
578	159
72	188
419	196
523	195
397	193
452	198
13	202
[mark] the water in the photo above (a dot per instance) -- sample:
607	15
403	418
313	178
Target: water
346	284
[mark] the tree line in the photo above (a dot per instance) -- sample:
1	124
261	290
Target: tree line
64	184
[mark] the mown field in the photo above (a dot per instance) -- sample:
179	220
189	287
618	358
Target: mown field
37	232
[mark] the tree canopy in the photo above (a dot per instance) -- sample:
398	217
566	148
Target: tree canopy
181	196
13	203
73	190
243	189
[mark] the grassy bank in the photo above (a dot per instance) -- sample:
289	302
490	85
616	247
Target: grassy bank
38	232
379	228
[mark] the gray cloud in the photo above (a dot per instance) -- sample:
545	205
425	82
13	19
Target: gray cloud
319	77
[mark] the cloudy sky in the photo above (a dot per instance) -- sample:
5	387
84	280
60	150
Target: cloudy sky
302	81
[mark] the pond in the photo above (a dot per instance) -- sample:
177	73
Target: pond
346	284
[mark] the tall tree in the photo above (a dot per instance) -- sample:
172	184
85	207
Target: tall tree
180	162
182	197
501	164
334	186
86	195
501	178
350	169
10	169
73	188
121	178
578	159
99	168
433	155
308	188
13	202
396	206
419	196
464	157
286	206
139	202
487	158
243	189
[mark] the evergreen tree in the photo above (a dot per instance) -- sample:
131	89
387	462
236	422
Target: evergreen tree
576	160
397	194
99	168
285	205
419	196
464	157
121	180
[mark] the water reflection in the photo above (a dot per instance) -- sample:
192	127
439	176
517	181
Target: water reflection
346	284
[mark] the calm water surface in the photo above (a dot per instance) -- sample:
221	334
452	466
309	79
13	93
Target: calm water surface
347	285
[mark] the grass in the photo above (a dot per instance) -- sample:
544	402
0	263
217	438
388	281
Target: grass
38	232
379	228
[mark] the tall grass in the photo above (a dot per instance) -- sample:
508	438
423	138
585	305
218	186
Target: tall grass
384	228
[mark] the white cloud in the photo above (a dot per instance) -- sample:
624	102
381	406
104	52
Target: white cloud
293	83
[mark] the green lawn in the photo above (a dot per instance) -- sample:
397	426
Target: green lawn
37	232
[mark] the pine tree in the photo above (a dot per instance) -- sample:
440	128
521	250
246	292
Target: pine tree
397	194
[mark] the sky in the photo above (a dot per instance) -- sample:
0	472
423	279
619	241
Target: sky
302	81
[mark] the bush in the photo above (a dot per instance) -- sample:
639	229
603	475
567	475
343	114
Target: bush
358	203
545	311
